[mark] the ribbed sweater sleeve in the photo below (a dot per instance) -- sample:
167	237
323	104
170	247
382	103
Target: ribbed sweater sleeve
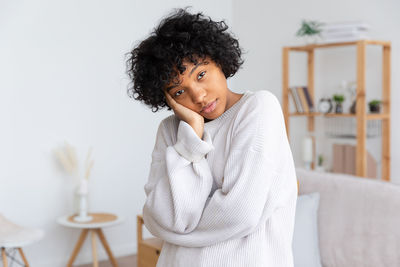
180	180
243	202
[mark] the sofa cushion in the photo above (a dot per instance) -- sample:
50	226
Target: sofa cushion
358	219
305	236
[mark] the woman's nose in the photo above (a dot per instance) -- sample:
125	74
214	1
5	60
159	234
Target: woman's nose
198	95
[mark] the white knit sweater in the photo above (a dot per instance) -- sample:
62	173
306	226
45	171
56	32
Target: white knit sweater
228	199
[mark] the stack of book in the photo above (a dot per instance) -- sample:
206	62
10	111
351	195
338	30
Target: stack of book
302	99
344	31
344	160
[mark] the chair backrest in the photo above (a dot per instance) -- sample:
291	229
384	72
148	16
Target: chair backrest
358	218
14	235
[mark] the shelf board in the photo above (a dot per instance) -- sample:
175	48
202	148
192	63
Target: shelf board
326	45
306	114
378	116
371	116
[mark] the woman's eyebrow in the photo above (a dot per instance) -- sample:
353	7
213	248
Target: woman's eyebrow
197	65
194	68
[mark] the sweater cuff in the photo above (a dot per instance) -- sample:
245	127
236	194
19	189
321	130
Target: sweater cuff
189	145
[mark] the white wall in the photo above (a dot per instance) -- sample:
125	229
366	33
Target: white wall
63	78
264	27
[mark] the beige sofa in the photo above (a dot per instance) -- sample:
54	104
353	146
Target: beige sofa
358	219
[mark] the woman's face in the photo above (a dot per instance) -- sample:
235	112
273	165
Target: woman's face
202	88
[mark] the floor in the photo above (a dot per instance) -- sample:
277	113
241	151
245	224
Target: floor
127	261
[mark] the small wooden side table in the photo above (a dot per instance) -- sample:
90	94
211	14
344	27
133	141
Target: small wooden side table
99	221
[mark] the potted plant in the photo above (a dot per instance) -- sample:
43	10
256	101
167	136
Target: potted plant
310	30
320	166
338	98
374	106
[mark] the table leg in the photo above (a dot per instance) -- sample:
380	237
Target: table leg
94	249
77	247
106	247
4	256
23	257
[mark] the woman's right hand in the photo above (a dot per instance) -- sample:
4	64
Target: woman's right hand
194	119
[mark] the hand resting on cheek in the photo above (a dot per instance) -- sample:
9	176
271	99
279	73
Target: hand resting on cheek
194	119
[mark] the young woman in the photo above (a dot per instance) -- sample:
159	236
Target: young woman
222	187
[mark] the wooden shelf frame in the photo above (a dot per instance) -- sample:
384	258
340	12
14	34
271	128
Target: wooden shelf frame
371	116
361	112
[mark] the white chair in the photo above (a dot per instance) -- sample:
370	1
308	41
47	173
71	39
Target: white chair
13	237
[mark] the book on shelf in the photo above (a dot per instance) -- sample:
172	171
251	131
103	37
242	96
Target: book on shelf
295	100
344	32
297	108
344	160
345	39
309	99
345	25
302	99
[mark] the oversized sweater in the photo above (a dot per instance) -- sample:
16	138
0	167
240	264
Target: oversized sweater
229	198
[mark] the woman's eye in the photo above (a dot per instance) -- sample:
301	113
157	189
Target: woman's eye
201	74
178	93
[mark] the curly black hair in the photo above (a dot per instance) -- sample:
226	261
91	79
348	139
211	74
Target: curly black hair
179	37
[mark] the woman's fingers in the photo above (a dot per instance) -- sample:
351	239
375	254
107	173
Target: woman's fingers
173	104
169	99
193	118
178	108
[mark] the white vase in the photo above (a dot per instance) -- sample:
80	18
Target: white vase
307	152
82	201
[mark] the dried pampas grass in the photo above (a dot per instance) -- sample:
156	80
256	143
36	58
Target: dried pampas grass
67	157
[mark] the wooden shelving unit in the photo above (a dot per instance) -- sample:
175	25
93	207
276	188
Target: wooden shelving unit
361	111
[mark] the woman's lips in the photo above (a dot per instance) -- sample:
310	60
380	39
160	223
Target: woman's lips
210	107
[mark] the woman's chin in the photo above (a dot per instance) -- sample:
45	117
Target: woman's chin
209	118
